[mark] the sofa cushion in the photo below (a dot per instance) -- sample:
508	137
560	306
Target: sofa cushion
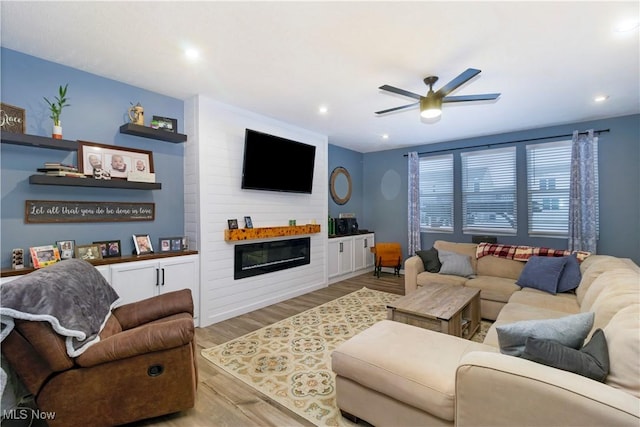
623	340
590	361
613	299
566	303
608	280
499	267
455	264
568	330
570	277
542	273
515	312
594	266
430	260
426	279
371	359
493	288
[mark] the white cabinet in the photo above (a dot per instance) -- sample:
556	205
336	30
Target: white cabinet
349	256
138	280
340	256
362	256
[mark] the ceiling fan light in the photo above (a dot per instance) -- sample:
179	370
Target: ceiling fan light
430	107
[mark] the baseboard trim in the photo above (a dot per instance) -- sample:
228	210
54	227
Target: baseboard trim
219	317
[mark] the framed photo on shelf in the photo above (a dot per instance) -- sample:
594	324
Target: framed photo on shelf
17	259
233	224
109	248
142	242
42	256
88	252
117	161
171	244
247	222
164	123
66	248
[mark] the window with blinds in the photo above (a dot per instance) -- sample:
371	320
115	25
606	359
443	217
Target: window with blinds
436	193
489	202
548	179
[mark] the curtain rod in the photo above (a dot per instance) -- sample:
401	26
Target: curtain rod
597	132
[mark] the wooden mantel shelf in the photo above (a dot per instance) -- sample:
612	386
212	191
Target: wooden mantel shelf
267	232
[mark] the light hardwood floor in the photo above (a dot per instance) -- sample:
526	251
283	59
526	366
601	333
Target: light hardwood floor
223	400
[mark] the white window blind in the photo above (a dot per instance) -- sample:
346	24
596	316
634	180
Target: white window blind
489	191
548	180
436	193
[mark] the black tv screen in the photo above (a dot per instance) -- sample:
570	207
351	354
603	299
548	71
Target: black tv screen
273	163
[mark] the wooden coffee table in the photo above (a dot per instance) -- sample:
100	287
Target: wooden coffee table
453	310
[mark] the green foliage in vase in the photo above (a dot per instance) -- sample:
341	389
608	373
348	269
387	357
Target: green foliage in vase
57	106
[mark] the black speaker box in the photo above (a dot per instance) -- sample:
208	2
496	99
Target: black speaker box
486	239
341	227
352	226
346	226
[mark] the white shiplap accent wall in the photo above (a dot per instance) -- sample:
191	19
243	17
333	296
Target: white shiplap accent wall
213	169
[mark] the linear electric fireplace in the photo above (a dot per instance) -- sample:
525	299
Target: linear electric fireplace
260	258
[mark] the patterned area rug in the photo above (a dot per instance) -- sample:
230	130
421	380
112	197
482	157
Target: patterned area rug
290	361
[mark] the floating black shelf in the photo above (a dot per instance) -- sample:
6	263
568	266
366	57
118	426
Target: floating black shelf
38	141
90	182
147	132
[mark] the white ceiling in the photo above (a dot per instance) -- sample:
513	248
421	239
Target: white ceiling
285	59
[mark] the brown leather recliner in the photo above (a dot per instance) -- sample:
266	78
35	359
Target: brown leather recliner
143	366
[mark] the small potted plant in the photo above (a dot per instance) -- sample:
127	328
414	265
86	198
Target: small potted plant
56	109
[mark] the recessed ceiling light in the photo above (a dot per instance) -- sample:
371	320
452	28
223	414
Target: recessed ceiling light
625	26
385	136
323	109
192	53
601	98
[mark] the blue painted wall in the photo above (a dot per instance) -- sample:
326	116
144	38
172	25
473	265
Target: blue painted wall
98	108
619	170
352	162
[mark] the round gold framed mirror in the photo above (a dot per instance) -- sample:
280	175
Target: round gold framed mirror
340	185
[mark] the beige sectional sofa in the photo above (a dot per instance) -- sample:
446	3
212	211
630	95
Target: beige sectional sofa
394	374
495	277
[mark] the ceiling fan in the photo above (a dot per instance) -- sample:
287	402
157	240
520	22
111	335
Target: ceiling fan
431	105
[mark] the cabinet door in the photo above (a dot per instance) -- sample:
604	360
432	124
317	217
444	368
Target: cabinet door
369	258
181	273
135	281
360	247
346	256
105	270
334	257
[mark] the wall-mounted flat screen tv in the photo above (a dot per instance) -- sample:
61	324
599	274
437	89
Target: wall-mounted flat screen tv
273	163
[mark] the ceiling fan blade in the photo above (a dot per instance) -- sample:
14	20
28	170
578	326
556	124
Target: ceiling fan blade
400	91
415	104
457	82
463	98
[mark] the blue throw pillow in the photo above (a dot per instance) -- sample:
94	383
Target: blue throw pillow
568	330
542	273
571	276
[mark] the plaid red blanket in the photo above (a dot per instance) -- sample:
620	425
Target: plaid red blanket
523	253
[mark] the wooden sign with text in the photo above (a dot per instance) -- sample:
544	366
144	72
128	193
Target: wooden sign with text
56	211
12	118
